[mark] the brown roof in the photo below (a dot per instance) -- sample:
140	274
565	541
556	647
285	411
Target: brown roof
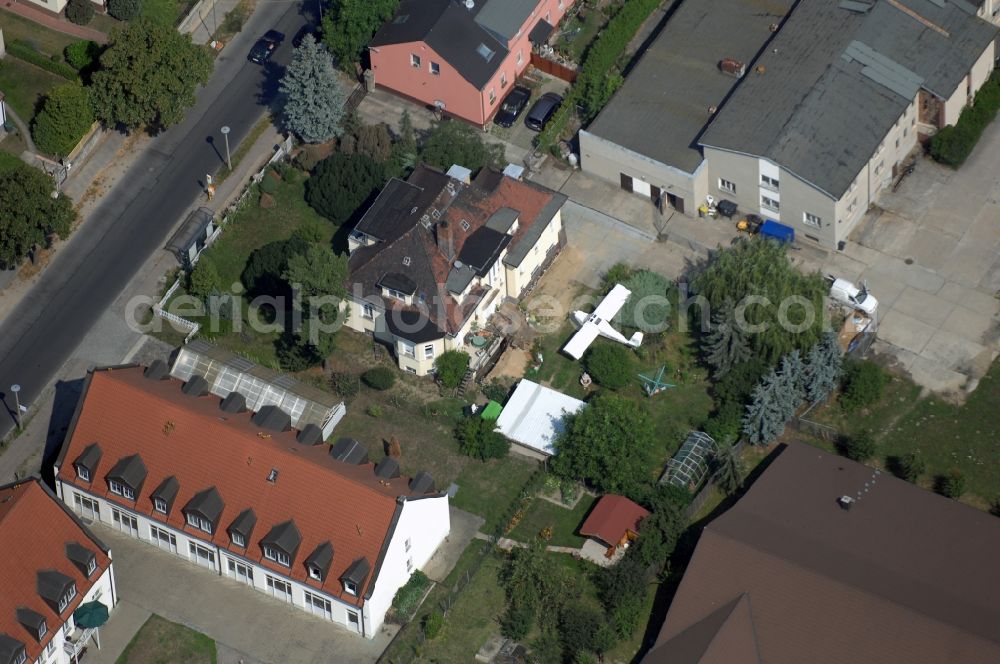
191	439
612	517
425	264
29	549
903	576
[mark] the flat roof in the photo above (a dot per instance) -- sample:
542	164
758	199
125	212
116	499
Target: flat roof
662	108
534	416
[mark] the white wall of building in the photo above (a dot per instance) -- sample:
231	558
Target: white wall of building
519	277
104	591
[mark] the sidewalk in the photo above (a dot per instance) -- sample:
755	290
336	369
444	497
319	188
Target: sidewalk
203	24
57	23
112	340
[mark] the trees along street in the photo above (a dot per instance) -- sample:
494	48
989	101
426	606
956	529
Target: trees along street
135	218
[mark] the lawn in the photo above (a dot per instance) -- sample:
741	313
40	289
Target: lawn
166	12
160	641
41	38
25	84
564	522
8	161
577	35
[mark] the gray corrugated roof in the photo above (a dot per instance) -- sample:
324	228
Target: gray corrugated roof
517	251
208	503
663	105
350	451
130	470
451	30
821	115
284	536
504	17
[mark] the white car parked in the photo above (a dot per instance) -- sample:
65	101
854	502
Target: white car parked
845	292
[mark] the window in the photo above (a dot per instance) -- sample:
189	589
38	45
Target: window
199	522
67	597
42	629
352	620
414	59
520	57
406	261
768	181
435	69
878	168
768	202
67	628
465	225
393	293
407	543
811	219
493	96
83	473
237	539
503	79
122	490
854	204
318	606
163	539
89	509
407	349
411	370
485	52
160	505
278	588
314	573
350	587
21	657
897	142
50	648
429	352
91	566
726	185
409	564
279	557
367	311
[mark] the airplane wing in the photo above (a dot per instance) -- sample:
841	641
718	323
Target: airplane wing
612	302
580	342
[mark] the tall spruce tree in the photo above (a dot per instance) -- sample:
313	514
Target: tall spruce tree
792	377
823	368
726	344
766	415
314	102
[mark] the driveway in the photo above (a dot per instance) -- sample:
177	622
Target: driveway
245	623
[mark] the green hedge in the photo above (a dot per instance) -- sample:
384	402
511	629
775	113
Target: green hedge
953	144
24	51
408	597
600	73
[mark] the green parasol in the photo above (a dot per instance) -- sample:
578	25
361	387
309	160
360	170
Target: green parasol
91	614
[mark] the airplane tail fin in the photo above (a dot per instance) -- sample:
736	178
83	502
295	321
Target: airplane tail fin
636	340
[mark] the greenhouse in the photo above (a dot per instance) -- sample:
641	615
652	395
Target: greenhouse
690	465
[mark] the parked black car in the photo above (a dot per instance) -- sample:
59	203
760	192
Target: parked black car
265	47
542	111
512	106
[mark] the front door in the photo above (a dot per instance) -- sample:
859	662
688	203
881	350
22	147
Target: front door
354	621
202	555
676	202
126	523
654	195
87	507
240	571
626	182
163	539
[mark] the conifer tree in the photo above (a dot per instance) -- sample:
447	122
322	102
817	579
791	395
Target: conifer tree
823	368
726	344
765	416
314	103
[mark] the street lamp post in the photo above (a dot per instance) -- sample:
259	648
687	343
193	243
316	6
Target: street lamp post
15	388
225	133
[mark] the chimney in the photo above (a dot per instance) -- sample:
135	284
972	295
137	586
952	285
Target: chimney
445	240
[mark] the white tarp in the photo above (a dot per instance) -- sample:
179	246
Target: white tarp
534	416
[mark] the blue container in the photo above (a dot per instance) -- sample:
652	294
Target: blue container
780	232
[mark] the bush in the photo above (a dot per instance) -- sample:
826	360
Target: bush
124	10
409	595
82	55
379	378
725	425
647	308
262	274
496	391
862	384
455	142
451	367
341	183
517	620
65	118
951	484
433	623
204	278
346	385
953	144
374	410
24	51
859	447
80	12
268	183
908	467
610	364
479	438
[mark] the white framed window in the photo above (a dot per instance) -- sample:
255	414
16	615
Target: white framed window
395	294
318	605
409	564
407	349
91	566
278	588
83	473
42	629
88	508
415	60
199	522
160	505
726	185
237	539
67	597
520	57
493	96
465	225
769	203
429	352
367	311
768	181
67	627
407	543
435	69
121	489
810	219
314	573
50	648
503	79
21	658
353	620
878	168
279	557
164	539
350	588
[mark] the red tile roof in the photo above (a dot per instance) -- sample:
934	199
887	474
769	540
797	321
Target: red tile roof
191	439
612	517
29	548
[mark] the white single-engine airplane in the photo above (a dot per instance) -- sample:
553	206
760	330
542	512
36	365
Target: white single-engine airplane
599	323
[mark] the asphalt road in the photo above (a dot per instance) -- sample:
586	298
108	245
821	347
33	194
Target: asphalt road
136	217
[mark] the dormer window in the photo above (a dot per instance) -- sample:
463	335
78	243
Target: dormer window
237	539
32	621
242	527
165	494
67	597
86	463
314	573
465	225
351	588
42	629
125	479
199	522
204	509
318	562
84	559
395	294
406	261
355	576
83	473
121	490
91	566
279	557
160	505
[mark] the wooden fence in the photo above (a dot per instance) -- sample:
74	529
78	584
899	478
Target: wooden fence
553	68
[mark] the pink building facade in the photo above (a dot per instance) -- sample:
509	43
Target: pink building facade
461	57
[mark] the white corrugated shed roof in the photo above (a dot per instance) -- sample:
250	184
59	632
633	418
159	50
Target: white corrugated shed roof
534	416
